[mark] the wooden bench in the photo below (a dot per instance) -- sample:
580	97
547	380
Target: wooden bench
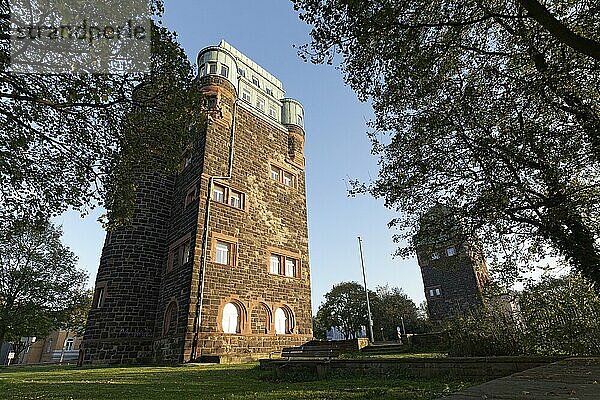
312	352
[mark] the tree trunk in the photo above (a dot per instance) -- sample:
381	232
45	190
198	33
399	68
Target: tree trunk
576	241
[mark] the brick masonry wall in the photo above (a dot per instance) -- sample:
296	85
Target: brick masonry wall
275	216
143	292
456	276
121	330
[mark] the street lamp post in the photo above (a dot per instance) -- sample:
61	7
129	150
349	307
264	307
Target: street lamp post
362	263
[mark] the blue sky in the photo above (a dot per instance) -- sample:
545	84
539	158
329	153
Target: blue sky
337	148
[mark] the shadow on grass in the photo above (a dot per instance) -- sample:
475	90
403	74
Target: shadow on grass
204	382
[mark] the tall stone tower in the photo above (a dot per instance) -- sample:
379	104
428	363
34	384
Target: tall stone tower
454	271
215	263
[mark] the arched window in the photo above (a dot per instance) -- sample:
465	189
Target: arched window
170	320
231	318
284	320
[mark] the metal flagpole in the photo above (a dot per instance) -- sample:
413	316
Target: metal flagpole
362	263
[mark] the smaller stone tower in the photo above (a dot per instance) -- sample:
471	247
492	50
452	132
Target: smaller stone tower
453	269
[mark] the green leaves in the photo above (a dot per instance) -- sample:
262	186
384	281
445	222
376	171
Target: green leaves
40	286
479	108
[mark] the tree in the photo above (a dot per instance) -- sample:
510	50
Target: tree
70	140
488	108
345	308
561	316
40	287
390	307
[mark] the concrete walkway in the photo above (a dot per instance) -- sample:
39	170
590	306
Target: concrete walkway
570	379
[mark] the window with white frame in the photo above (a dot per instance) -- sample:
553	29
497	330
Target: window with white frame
218	193
255	81
451	251
231	319
212	67
269	91
435	291
288	179
226	195
246	96
272	112
284	266
282	176
260	104
290	267
69	343
223	253
275	173
236	199
274	264
242	72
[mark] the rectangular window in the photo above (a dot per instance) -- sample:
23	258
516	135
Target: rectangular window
185	253
450	251
288	179
222	253
438	292
218	194
99	297
275	173
211	103
435	291
275	264
269	91
255	81
260	104
236	199
49	346
69	343
242	72
300	121
431	292
272	113
190	197
212	68
246	96
290	267
224	70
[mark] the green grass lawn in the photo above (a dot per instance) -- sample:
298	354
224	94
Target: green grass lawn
244	381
